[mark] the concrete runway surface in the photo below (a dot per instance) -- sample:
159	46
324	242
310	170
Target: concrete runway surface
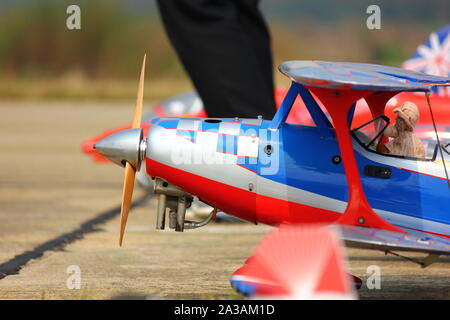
58	209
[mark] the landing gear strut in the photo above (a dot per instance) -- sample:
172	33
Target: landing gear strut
177	201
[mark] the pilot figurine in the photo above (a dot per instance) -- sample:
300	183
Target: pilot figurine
405	142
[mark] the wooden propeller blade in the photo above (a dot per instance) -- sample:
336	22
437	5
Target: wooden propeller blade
128	185
130	171
140	98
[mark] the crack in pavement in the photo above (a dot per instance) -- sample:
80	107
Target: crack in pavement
14	265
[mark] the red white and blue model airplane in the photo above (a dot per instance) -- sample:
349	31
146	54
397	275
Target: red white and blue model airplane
289	175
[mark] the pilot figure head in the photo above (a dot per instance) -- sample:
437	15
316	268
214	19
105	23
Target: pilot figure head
407	116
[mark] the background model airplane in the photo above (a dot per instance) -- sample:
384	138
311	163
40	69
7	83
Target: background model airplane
293	175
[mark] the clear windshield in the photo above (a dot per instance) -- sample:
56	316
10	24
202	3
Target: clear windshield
369	134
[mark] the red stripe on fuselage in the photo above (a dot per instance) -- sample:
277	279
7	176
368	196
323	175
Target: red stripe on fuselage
425	174
241	203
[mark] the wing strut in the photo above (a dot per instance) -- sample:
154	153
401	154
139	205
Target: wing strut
377	102
338	103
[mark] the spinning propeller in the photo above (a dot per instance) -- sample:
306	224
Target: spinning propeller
127	148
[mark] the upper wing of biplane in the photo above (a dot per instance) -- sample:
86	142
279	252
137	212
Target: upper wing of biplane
358	76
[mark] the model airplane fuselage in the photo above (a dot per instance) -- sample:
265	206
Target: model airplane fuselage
227	163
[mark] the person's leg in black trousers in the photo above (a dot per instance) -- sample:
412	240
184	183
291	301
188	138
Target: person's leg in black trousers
225	47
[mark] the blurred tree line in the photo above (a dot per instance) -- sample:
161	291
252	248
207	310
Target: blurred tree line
35	44
34	40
